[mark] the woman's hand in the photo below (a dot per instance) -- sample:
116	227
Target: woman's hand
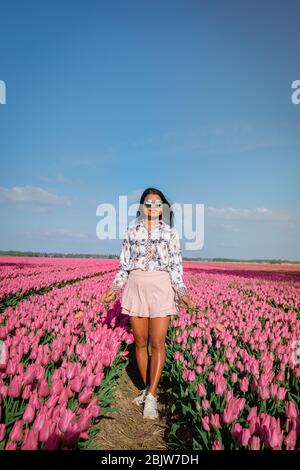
78	315
108	296
186	301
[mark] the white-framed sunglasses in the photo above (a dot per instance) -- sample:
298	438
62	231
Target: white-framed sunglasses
150	203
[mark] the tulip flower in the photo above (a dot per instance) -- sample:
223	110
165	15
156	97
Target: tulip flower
16	434
2	432
217	445
254	443
291	410
205	423
30	440
15	387
29	413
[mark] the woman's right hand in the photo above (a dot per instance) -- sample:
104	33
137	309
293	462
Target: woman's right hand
108	296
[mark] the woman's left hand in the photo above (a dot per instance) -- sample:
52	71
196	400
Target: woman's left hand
186	301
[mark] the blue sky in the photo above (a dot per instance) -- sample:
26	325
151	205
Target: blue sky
192	97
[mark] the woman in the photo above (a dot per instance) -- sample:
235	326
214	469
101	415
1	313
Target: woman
151	267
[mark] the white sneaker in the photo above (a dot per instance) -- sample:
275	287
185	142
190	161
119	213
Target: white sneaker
150	407
139	400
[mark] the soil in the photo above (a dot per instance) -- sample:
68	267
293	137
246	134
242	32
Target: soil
126	428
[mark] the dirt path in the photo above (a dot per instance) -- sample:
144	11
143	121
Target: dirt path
126	428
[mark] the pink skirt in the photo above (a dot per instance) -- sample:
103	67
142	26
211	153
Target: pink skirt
148	294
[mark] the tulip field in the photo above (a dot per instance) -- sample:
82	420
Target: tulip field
237	387
57	373
231	387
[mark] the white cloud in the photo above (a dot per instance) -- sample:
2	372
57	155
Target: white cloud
257	213
225	138
60	179
57	234
35	196
67	233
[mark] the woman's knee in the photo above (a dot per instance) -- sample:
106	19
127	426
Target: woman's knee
157	343
141	341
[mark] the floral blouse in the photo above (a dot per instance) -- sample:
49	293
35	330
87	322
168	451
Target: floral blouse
155	250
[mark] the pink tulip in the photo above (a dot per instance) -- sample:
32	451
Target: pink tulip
244	384
234	378
75	384
43	389
11	366
65	421
84	421
3	391
39	422
291	409
252	413
201	390
26	392
233	409
29	374
236	431
98	378
53	440
215	421
57	387
217	445
71	436
275	438
281	393
11	446
30	440
45	430
205	405
254	443
291	440
2	432
273	390
71	370
280	376
229	395
84	435
29	413
15	387
94	408
205	423
34	401
63	397
85	395
245	437
264	392
221	385
16	433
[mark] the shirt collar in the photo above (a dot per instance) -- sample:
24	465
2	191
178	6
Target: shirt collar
160	223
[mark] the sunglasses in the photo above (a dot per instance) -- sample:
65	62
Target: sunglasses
150	203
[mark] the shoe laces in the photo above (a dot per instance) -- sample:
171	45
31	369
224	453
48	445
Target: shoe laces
151	397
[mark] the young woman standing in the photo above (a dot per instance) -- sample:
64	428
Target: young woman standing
151	268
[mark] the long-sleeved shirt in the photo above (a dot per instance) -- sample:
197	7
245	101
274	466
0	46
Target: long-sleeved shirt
158	249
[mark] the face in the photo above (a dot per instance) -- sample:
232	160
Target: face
152	212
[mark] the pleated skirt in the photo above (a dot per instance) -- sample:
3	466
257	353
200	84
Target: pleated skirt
148	294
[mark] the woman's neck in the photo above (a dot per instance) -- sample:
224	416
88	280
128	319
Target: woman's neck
151	223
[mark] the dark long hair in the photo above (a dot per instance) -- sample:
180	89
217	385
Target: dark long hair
167	214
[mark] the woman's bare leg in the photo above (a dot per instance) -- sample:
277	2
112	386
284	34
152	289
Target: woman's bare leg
158	331
140	328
